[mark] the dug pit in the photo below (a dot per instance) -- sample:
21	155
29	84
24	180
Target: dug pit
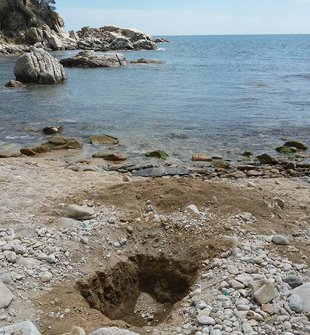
140	291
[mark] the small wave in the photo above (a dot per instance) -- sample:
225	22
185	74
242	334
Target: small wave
161	49
300	76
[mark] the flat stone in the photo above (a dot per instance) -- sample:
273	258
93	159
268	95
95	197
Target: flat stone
10	150
201	158
280	240
103	139
203	319
304	292
67	223
266	293
28	262
113	331
114	157
296	304
233	270
6	296
79	212
22	328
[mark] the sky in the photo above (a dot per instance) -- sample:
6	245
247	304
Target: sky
190	17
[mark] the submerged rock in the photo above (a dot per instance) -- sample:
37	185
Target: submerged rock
115	157
157	154
52	130
40	67
267	159
146	61
286	150
88	59
14	84
60	142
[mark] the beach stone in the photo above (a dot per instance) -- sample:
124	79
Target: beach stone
88	59
103	139
14	84
22	328
80	212
293	281
113	331
295	303
28	262
67	223
267	159
266	293
285	150
221	164
61	143
216	332
280	240
46	277
6	296
204	319
201	158
40	67
9	150
303	292
296	144
114	157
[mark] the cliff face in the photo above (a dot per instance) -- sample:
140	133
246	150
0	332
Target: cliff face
23	21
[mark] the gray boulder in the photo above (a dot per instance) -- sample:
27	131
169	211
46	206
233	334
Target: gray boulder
145	44
89	59
121	43
40	67
303	292
22	328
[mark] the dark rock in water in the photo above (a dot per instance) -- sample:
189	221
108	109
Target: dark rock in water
61	143
267	159
160	40
14	84
247	154
296	144
146	61
52	130
103	139
114	157
293	281
286	150
161	171
157	154
40	67
88	59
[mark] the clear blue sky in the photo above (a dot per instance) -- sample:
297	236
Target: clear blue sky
188	17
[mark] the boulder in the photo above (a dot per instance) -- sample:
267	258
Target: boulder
265	293
121	43
40	67
89	59
280	240
303	292
145	44
52	130
60	143
22	328
267	159
55	43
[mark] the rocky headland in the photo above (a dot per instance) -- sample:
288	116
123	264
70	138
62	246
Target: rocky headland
26	23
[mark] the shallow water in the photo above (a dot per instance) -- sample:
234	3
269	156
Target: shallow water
215	94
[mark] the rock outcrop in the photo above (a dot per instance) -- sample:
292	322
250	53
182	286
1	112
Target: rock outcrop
90	59
114	38
40	67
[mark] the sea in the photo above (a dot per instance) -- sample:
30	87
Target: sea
219	95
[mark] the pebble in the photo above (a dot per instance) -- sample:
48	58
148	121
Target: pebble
46	277
280	240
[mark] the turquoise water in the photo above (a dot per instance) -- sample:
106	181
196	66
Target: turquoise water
215	94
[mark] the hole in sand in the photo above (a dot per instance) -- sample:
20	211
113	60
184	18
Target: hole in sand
141	291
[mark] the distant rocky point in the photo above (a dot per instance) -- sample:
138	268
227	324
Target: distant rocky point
26	23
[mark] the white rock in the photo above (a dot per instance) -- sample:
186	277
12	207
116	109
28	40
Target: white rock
113	331
303	292
46	277
80	212
193	209
22	328
6	296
